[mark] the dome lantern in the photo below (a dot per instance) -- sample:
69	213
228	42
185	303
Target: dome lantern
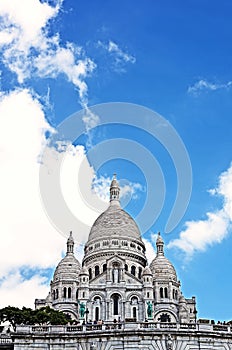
160	245
114	191
70	244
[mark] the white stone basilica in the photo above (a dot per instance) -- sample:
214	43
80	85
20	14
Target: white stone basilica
132	306
115	281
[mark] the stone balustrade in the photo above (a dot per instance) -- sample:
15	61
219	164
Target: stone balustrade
125	326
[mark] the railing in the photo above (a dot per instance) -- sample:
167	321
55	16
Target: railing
5	339
125	326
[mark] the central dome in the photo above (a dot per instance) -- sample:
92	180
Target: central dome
114	222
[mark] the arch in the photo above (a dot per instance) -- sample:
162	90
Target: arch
65	292
69	292
133	270
104	267
96	294
96	270
90	274
166	292
115	298
161	292
172	315
134	300
134	294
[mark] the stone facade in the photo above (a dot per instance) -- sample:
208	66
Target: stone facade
117	300
115	281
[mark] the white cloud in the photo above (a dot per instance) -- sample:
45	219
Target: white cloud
29	50
150	250
18	291
25	229
120	56
204	85
128	190
199	235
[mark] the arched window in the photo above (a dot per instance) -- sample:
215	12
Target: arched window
133	268
134	312
97	313
104	267
90	274
77	294
69	292
126	267
173	294
54	294
140	272
161	292
57	294
164	318
65	292
97	270
176	295
115	298
166	292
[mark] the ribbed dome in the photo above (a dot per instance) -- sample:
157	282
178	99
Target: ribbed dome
162	268
146	271
67	269
114	222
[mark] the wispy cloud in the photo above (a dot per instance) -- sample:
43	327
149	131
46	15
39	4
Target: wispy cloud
205	85
129	190
200	234
29	49
120	56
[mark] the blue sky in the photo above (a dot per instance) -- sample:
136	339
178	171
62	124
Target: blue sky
58	57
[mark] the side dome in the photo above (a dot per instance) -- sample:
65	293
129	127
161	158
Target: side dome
160	266
69	267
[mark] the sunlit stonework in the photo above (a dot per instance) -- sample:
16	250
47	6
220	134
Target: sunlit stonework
115	281
117	300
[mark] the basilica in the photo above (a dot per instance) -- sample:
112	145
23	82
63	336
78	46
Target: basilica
116	300
114	281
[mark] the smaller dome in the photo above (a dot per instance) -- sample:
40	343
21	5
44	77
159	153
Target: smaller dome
160	266
84	271
147	271
67	269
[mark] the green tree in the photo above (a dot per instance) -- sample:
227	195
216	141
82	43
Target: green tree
27	316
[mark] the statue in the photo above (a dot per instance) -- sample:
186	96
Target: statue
115	275
149	309
82	309
169	342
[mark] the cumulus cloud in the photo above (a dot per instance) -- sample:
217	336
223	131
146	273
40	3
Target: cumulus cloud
29	49
18	291
120	57
200	234
204	85
25	230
